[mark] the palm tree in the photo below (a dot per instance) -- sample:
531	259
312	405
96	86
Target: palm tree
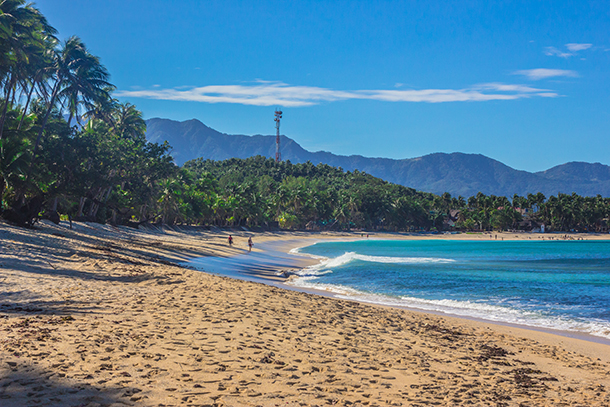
102	110
79	77
38	76
87	87
24	37
341	215
128	122
170	199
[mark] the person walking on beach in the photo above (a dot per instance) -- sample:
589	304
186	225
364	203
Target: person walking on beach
230	241
250	244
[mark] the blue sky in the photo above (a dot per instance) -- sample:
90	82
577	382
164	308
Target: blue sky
523	82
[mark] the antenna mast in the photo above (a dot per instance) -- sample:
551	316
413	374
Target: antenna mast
278	116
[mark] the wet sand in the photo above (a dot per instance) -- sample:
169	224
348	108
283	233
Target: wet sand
109	316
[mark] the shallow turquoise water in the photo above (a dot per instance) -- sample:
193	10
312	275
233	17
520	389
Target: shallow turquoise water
561	285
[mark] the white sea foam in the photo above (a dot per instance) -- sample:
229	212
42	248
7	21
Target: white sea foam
470	309
326	265
399	260
511	315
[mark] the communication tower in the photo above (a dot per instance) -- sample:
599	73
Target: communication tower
278	116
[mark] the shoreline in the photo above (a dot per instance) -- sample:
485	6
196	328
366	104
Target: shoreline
103	315
271	276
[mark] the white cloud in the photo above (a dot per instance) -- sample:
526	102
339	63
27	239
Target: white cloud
263	94
542	73
277	93
503	87
578	47
573	49
435	95
552	51
548	95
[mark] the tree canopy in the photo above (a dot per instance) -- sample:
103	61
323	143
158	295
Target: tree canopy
68	148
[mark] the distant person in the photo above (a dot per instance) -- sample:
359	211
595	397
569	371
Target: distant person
250	244
230	241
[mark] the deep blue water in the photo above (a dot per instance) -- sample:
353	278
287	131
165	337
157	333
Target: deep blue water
561	285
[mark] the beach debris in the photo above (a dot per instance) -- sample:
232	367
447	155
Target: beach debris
523	378
268	358
493	352
441	330
26	331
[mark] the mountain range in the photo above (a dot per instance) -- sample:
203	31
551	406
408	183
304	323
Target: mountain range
456	173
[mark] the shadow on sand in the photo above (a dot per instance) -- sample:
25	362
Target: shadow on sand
25	384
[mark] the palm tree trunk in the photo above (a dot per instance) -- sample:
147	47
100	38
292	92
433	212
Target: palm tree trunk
143	212
27	103
70	117
81	204
92	209
6	103
44	124
46	118
108	193
94	206
97	206
14	93
2	186
1	131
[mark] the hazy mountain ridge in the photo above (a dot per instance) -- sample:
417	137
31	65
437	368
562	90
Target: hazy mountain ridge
456	173
578	171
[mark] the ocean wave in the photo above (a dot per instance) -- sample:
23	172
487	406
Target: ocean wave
399	260
327	264
469	309
296	250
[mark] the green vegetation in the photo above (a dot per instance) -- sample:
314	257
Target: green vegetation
69	150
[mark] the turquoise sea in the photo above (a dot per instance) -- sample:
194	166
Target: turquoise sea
563	285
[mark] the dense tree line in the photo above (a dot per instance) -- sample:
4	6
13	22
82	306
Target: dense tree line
257	190
65	143
68	148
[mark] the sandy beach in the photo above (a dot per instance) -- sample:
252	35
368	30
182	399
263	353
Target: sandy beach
109	316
